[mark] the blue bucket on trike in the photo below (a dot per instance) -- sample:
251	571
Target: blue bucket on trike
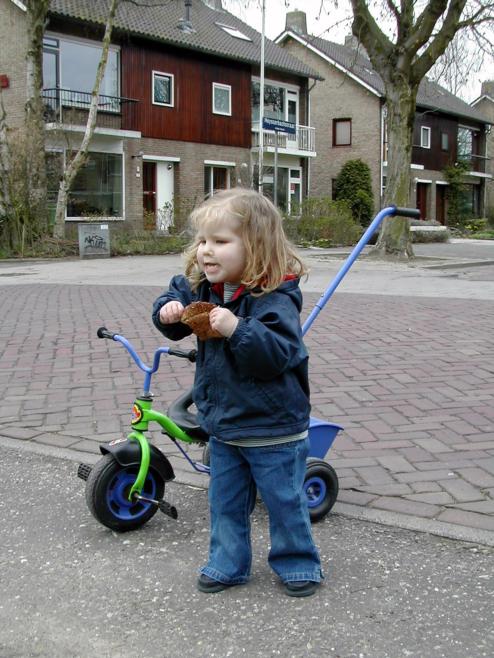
125	488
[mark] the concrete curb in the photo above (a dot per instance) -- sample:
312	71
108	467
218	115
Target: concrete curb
382	517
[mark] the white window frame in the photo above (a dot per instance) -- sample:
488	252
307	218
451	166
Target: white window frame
60	36
425	142
212	164
219	85
163	74
288	88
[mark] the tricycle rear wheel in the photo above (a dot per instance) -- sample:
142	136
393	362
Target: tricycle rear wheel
321	488
107	490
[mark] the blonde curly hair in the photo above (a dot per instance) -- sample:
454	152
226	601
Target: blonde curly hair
269	255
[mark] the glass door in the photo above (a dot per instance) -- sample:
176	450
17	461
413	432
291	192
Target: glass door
292	116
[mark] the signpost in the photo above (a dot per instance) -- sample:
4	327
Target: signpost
278	126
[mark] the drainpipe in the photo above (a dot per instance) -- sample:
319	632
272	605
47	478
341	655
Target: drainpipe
309	89
261	102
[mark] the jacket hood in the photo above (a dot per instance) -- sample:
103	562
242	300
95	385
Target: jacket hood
291	288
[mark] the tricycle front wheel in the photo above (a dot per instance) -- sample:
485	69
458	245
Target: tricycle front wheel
107	490
321	488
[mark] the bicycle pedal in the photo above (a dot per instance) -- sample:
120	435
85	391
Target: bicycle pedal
83	471
168	509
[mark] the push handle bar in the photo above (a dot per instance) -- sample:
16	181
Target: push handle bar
104	333
369	232
413	213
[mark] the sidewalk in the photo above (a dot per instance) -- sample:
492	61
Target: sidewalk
405	365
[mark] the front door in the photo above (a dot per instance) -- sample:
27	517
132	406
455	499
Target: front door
149	194
157	194
422	199
441	203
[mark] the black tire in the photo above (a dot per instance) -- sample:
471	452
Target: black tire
107	488
321	488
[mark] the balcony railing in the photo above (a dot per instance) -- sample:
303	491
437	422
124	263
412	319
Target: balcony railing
71	107
303	140
476	163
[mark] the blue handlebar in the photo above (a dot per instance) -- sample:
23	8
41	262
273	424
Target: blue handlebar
148	370
391	210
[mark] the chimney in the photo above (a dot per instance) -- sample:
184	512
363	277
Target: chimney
184	23
214	4
351	41
487	89
296	21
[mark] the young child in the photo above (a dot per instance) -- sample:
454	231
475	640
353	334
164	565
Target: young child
251	386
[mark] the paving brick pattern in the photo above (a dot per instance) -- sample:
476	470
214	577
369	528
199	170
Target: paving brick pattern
410	379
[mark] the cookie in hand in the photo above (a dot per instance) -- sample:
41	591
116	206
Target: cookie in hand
196	316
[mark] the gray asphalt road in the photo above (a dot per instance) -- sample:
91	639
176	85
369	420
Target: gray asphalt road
71	588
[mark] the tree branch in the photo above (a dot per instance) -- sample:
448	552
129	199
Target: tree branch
365	28
440	42
424	26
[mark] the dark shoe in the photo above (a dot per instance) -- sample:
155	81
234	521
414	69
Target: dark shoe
210	585
301	587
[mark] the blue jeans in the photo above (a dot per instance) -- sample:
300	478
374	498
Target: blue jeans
278	473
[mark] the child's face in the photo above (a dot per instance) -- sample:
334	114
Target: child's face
221	252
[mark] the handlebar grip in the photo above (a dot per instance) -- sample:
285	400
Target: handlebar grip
413	213
191	355
104	333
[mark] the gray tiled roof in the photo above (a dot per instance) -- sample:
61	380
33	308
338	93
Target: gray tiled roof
160	23
430	95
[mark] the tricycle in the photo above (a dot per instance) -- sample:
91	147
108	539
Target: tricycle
126	487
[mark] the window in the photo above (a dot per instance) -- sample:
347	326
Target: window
288	188
216	178
97	189
425	137
444	142
72	66
234	32
280	102
222	99
342	132
465	142
163	89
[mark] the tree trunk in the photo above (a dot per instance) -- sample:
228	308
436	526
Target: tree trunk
4	165
394	238
80	157
34	121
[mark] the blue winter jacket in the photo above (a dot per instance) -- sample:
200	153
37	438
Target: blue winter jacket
254	384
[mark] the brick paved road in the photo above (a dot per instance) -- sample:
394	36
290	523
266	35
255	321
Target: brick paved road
410	379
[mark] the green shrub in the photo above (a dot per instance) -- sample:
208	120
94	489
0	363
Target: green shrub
322	222
458	212
136	243
354	184
475	225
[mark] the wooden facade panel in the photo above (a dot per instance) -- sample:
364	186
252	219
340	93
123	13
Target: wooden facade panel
191	118
436	157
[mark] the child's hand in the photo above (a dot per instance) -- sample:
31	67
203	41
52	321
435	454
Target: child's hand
171	312
223	321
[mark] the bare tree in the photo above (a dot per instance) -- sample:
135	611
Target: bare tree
36	11
402	61
80	157
458	65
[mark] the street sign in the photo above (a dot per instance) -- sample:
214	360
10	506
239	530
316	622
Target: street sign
279	126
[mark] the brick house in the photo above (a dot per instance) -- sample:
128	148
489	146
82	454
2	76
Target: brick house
485	104
178	110
349	115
